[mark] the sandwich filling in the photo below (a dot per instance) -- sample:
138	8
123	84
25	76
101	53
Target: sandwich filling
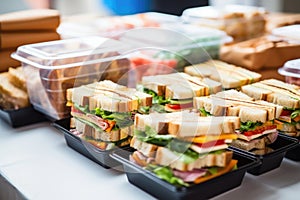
175	92
104	112
283	94
181	160
257	128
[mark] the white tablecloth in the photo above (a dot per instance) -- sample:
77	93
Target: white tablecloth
36	163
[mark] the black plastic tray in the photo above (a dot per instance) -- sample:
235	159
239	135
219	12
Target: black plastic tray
161	189
272	160
88	150
22	117
293	154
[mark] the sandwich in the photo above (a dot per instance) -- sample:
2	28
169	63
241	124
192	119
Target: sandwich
104	111
183	148
283	94
257	129
230	76
13	92
175	92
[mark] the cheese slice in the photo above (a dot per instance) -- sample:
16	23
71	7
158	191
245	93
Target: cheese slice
208	138
201	150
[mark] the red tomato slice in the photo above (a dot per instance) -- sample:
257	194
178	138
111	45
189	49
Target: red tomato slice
180	106
73	109
259	130
211	143
286	113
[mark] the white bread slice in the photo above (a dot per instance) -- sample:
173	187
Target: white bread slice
273	94
180	85
147	149
203	126
11	94
141	98
257	93
221	107
18	78
166	157
185	124
252	114
229	75
282	85
112	136
114	98
233	94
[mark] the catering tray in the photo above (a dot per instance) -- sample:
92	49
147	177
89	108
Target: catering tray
21	117
95	154
293	154
271	160
161	189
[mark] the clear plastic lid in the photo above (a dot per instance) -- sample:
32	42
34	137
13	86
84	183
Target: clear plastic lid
290	33
112	26
70	52
173	37
211	12
291	68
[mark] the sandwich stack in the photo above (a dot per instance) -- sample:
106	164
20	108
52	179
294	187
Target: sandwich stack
104	111
257	129
283	94
230	76
183	148
175	92
25	27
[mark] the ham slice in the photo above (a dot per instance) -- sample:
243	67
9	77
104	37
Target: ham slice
190	176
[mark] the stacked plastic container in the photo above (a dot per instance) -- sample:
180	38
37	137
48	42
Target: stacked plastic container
114	25
53	67
240	22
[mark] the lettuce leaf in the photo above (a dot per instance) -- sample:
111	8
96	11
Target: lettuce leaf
166	174
122	119
177	146
155	98
204	113
295	114
249	125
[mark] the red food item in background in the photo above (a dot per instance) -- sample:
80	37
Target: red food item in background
143	66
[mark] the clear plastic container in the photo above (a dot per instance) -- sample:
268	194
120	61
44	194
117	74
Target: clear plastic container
175	45
291	71
240	22
289	33
53	67
112	26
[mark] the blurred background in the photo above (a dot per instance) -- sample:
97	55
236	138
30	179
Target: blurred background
123	7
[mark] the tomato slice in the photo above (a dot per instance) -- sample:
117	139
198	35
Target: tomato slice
74	110
259	130
286	112
211	143
180	106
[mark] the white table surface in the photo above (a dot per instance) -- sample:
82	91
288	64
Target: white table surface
37	162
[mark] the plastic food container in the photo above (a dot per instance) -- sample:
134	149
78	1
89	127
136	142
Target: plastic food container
291	71
21	117
161	189
293	154
183	44
290	33
53	67
272	159
113	26
240	22
95	154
